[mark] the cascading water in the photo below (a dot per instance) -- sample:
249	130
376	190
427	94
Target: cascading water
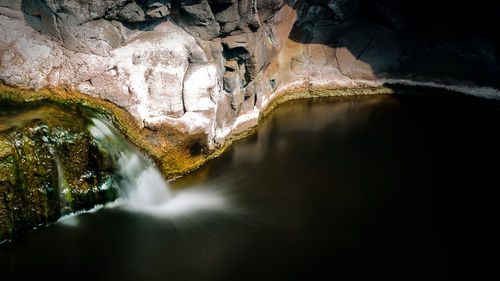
62	186
141	185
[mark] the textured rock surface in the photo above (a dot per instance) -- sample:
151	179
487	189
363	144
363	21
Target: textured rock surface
50	165
206	68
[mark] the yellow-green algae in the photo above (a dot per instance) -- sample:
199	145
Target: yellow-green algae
45	150
173	160
172	156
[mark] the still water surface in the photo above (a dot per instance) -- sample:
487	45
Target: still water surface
393	187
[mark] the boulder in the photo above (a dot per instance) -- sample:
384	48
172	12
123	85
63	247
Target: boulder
159	9
53	167
239	47
46	22
128	13
196	17
227	13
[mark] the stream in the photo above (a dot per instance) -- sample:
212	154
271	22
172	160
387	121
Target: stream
394	187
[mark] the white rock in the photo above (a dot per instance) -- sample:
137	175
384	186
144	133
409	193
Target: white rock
156	63
200	87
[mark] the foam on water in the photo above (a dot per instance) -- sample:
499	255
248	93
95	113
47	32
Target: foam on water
180	203
142	187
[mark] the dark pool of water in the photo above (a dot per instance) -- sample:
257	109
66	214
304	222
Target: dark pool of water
385	187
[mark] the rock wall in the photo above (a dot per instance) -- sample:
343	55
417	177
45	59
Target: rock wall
204	69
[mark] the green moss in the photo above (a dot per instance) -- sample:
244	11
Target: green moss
45	150
8	182
172	159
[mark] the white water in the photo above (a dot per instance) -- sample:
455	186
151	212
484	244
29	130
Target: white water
143	188
62	186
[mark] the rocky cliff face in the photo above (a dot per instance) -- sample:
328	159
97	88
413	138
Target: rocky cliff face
199	71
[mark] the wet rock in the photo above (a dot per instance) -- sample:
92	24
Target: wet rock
9	181
48	160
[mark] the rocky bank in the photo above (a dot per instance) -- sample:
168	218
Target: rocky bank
197	72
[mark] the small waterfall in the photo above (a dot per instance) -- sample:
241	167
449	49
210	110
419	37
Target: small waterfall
141	186
137	178
62	186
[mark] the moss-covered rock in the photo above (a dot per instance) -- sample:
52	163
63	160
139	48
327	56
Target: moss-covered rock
9	180
50	165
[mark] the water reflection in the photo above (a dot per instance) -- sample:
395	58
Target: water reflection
12	115
310	116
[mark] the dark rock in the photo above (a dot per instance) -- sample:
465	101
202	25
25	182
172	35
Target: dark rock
41	10
238	46
196	17
129	13
82	28
343	9
315	13
224	1
227	13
